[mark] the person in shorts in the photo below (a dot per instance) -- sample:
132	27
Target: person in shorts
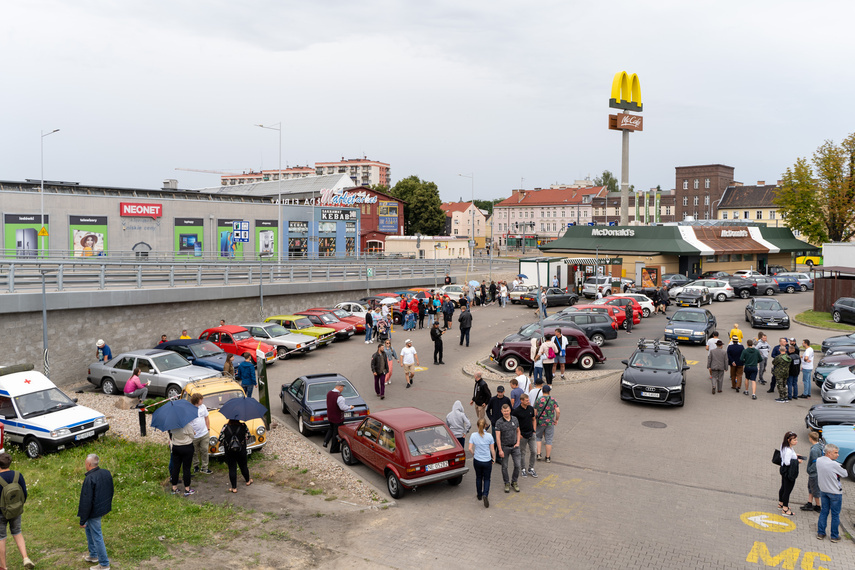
408	360
14	523
546	413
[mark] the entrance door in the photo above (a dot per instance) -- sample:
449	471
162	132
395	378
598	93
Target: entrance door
762	263
639	268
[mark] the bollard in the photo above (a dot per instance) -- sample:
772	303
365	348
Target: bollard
142	422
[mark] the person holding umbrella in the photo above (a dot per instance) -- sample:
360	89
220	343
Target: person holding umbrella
235	435
176	417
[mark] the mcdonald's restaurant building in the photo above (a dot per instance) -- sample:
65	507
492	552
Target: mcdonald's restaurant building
645	253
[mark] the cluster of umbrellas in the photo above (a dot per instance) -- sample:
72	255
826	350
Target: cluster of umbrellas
175	414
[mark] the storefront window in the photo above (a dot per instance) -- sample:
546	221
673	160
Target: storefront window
709	259
350	245
326	247
723	258
296	247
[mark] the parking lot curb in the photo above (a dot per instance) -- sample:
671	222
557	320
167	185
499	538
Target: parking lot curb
804	324
499	378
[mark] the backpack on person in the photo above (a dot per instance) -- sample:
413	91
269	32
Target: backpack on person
550	352
233	442
11	498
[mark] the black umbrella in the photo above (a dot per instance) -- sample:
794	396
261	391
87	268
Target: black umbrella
174	415
242	409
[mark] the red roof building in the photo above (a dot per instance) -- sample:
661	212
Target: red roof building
459	217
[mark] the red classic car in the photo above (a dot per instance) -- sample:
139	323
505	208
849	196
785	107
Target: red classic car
619	303
408	446
344	316
237	340
515	349
326	318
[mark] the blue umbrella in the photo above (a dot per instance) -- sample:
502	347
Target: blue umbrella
474	283
174	414
242	409
522	276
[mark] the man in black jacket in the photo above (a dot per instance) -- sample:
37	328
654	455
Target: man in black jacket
436	337
480	396
96	500
465	320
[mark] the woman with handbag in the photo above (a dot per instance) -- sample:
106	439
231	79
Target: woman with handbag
789	472
547	352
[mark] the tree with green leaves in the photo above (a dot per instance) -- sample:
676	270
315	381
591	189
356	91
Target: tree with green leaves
487	205
608	180
422	211
817	197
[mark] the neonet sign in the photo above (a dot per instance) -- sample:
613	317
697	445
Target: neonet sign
140	210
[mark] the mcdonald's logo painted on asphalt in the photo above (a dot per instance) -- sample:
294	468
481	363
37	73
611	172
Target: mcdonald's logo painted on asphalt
626	92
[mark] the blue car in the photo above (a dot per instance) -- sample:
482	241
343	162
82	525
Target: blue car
787	283
305	399
200	352
844	438
690	325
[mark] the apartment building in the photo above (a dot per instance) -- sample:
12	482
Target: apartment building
699	188
362	171
650	209
751	203
459	217
251	177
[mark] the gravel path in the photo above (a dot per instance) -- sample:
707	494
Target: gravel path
288	447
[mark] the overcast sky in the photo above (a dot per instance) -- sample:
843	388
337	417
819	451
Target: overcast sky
508	90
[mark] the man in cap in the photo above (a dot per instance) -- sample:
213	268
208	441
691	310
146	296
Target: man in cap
480	396
436	337
734	352
465	320
336	406
102	351
717	364
409	359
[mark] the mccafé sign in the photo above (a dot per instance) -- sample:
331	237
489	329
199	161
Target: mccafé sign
140	210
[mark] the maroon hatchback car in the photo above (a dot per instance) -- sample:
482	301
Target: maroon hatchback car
408	446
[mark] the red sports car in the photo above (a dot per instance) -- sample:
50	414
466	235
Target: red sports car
237	340
408	446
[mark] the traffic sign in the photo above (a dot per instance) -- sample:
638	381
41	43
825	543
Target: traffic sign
43	232
370	271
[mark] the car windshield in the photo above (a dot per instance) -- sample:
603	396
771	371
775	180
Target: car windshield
341	313
205	349
521	289
329	319
170	361
43	402
303	323
688	317
768	305
318	391
243	335
530	330
599	301
690	291
276	330
428	440
216	401
655	359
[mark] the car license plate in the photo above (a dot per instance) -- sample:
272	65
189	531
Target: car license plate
84	435
350	333
313	347
348	414
491	359
650	394
435	466
682	338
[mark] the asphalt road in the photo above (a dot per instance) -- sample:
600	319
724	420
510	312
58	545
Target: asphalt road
698	492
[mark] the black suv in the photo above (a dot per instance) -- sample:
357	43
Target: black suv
655	373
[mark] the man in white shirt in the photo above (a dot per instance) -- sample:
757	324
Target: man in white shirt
515	283
201	428
828	474
409	359
537	391
522	379
807	368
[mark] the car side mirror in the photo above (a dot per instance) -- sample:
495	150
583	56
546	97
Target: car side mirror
785	308
625	362
685	368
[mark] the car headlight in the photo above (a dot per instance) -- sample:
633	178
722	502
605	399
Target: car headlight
669	331
100	421
213	442
842	385
626	383
260	430
62	432
698	333
786	319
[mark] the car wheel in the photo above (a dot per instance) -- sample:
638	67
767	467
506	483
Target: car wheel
108	386
510	363
744	294
607	292
791	289
803	288
809	263
301	426
698	304
454	481
347	454
645	312
173	391
721	297
850	467
572	301
598	339
586	362
770	291
281	352
32	447
836	316
393	485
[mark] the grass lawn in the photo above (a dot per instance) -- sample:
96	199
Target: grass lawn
823	320
145	519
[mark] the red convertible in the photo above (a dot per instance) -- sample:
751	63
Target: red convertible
409	447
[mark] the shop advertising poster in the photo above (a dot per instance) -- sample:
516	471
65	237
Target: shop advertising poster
266	238
88	235
226	244
188	236
21	235
388	217
649	277
298	238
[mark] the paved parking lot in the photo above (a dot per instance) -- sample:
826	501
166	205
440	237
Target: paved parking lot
700	492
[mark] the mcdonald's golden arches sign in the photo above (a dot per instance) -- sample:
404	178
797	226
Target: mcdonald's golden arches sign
626	92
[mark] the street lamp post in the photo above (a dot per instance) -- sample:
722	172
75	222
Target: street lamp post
472	243
279	232
42	191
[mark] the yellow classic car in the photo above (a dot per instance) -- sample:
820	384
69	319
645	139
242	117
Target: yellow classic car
216	392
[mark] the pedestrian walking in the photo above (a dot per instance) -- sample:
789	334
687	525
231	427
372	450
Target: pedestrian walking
525	414
749	359
717	364
503	293
181	457
817	450
543	301
436	336
523	380
246	374
807	368
711	343
408	360
736	332
548	351
781	373
795	370
628	314
201	430
516	392
96	500
369	326
761	345
465	320
776	350
734	352
828	473
391	356
458	423
233	438
12	499
789	472
380	368
537	359
336	406
483	455
422	311
546	414
560	342
494	409
508	435
480	396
